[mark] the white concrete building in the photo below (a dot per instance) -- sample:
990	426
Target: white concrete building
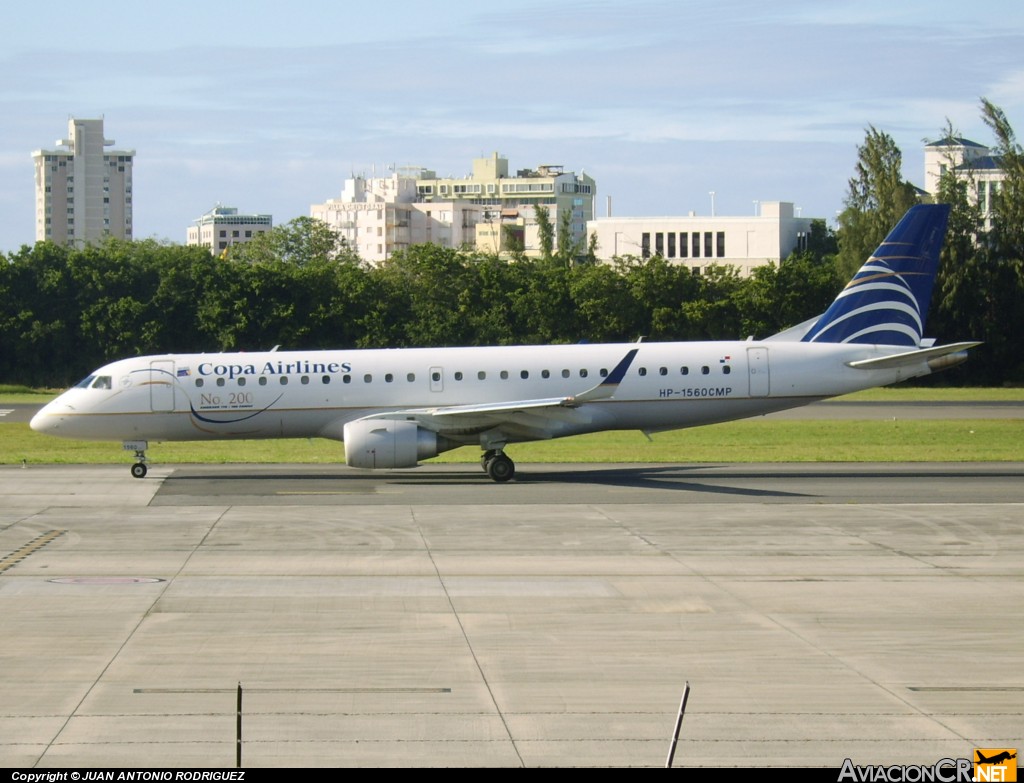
699	241
511	199
970	160
222	228
377	216
83	189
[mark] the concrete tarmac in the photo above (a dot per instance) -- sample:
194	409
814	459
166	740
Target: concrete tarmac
431	617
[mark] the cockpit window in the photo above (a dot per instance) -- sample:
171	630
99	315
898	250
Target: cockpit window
85	382
102	382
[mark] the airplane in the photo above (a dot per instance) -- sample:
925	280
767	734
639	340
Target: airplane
395	407
996	759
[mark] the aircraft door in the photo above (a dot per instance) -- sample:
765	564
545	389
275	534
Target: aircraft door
436	379
161	385
757	372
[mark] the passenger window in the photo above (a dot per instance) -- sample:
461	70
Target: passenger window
584	373
346	379
545	374
435	376
367	378
642	371
458	376
604	373
524	374
504	375
241	381
326	379
565	373
411	377
663	371
684	370
284	380
263	380
199	383
220	381
389	378
304	380
726	369
705	370
481	376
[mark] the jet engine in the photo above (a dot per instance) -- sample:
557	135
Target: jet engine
390	443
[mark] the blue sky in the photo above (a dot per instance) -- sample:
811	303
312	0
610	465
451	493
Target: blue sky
269	109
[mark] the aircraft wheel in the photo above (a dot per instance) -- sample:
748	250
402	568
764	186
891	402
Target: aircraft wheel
139	470
500	468
486	457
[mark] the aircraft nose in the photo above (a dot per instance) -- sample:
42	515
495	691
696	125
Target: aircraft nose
46	420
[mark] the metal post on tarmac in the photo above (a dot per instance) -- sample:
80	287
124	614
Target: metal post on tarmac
238	729
679	725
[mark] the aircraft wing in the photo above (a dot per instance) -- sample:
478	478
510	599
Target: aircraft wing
539	418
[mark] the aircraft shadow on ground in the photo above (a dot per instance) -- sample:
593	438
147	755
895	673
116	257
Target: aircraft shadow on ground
671	478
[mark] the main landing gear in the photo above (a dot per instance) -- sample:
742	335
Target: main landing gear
497	465
139	469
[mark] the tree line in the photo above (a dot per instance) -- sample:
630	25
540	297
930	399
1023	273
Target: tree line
65	311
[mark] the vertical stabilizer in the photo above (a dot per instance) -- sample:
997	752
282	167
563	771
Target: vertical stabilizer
886	303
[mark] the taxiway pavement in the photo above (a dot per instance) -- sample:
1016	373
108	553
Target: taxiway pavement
430	617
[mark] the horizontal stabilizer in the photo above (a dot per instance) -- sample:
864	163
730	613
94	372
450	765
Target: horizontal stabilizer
909	358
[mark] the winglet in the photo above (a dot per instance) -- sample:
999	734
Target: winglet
606	388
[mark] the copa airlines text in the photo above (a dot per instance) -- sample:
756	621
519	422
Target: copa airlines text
393	408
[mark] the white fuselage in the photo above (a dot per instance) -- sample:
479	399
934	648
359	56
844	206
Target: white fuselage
315	393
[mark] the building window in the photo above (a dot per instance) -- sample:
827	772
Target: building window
645	245
671	244
695	244
720	244
708	252
659	244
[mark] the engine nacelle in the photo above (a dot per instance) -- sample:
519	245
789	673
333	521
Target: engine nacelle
388	443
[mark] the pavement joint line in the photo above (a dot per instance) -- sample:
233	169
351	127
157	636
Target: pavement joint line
465	636
72	714
257	689
32	546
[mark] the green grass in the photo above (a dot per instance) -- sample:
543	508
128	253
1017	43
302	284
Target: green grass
936	394
755	440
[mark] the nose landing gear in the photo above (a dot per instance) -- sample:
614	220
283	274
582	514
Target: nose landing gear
139	469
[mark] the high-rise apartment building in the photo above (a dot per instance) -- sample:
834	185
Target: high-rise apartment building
83	189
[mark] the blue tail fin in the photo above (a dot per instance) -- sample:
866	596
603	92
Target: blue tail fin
887	301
